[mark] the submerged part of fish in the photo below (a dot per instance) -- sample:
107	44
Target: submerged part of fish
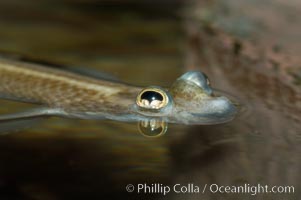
190	99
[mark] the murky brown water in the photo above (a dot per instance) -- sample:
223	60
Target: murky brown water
79	159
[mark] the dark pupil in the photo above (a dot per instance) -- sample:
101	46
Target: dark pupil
151	96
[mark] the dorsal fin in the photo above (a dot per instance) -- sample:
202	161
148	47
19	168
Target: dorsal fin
78	70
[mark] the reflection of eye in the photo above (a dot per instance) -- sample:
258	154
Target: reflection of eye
152	98
152	128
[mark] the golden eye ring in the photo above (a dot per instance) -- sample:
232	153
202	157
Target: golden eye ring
152	98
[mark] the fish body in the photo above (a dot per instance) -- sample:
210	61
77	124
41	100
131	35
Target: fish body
188	101
62	89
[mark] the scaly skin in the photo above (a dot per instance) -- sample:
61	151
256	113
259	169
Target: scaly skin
61	89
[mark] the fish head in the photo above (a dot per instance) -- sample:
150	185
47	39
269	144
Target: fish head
190	100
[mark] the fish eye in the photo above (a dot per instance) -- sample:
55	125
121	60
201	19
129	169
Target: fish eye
197	78
207	79
152	99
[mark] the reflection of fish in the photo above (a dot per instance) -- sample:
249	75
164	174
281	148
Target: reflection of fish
63	93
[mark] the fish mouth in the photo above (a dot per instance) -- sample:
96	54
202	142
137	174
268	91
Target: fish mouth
219	111
210	111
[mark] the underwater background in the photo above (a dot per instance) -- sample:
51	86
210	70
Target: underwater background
250	53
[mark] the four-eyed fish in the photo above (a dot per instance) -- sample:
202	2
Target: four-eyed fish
189	100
